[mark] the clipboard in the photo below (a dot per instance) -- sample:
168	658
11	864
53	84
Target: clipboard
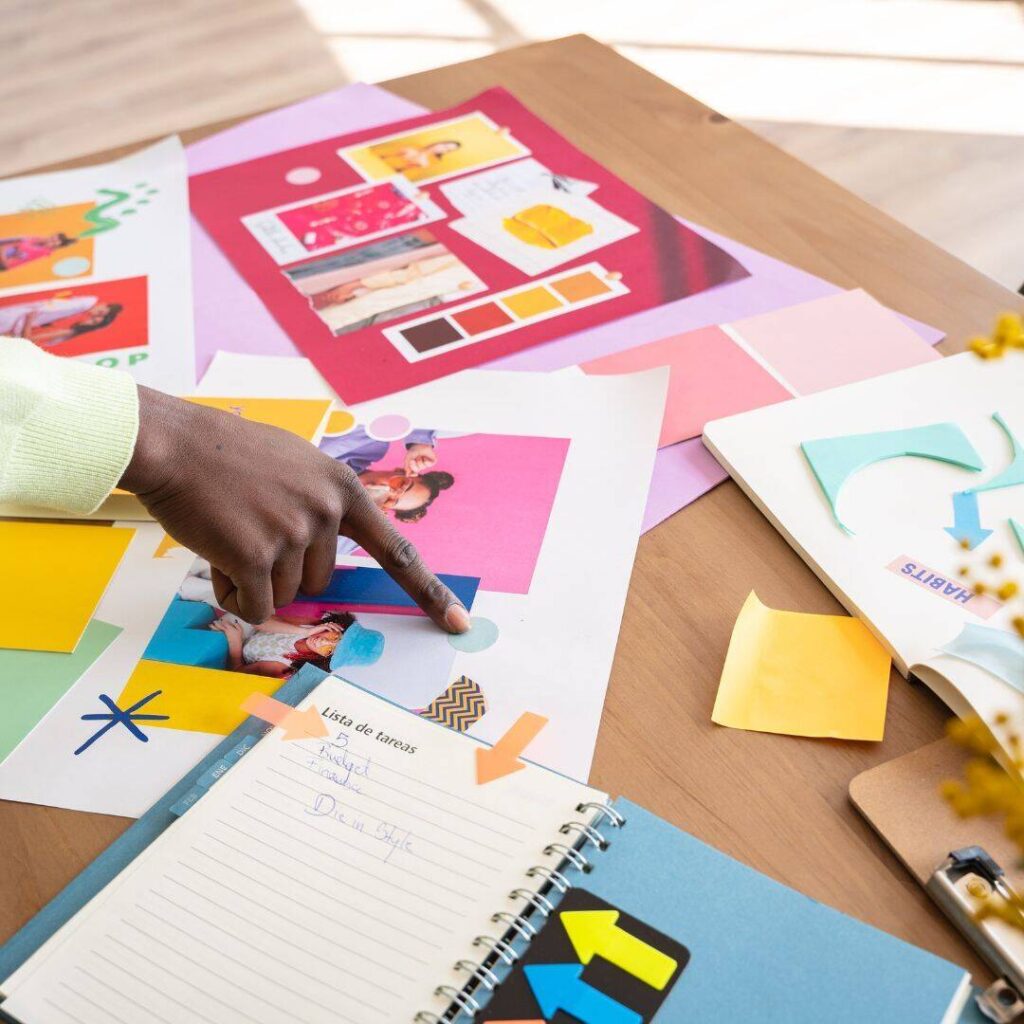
953	859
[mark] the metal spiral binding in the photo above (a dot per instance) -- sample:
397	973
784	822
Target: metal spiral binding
615	819
501	949
461	998
537	900
518	924
555	878
589	833
483	974
571	854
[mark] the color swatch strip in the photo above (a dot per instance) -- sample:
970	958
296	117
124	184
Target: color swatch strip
484	318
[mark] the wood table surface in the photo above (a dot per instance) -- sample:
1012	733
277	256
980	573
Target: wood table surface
776	802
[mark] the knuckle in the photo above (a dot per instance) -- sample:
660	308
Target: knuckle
400	552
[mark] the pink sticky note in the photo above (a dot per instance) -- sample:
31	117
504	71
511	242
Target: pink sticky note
710	376
832	341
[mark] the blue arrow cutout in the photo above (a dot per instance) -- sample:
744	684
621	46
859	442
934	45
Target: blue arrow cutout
560	987
966	520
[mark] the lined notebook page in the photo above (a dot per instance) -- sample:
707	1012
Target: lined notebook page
332	881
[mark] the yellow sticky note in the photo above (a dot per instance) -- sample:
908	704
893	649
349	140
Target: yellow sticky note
53	577
302	416
196	699
803	675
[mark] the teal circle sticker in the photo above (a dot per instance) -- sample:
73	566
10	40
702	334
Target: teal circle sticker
71	266
482	634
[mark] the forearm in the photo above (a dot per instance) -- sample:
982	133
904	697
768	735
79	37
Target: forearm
67	429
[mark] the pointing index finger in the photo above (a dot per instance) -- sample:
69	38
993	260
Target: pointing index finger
397	556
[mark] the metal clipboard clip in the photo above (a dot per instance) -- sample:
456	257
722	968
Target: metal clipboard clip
964	879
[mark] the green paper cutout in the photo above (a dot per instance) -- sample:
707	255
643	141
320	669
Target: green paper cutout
1013	475
1018	532
31	682
833	460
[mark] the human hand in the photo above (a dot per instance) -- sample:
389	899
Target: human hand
419	458
232	630
265	509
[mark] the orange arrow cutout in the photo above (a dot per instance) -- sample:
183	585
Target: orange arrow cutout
503	758
297	725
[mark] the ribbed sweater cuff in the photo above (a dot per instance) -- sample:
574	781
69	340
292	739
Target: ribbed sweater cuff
77	439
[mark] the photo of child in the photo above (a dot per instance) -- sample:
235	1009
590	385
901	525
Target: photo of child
196	632
382	281
82	319
340	219
448	493
436	151
37	246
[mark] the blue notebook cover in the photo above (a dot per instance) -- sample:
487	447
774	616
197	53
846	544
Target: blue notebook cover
760	950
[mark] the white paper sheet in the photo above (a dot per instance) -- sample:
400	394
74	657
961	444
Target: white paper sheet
487	228
140	226
479	193
556	642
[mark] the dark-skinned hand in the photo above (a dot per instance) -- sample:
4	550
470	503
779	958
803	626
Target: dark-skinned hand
265	509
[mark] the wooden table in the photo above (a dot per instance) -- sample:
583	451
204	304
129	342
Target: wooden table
778	803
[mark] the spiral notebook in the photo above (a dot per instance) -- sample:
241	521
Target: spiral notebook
367	876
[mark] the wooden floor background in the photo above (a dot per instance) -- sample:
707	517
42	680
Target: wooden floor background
917	105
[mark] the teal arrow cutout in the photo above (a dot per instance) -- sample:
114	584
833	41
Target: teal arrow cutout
560	987
1018	532
966	520
833	460
1013	475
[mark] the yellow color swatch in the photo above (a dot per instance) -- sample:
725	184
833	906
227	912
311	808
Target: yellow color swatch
197	699
302	416
803	675
52	579
531	302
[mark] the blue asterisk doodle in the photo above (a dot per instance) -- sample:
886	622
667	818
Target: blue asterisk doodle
127	718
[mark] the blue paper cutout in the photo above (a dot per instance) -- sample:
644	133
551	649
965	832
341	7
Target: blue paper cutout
561	987
1013	475
995	650
833	460
117	716
358	646
966	520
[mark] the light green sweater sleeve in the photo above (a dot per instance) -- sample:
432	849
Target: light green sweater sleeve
67	428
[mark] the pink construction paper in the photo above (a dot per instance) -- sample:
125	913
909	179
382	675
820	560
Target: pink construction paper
229	315
836	340
710	376
490	522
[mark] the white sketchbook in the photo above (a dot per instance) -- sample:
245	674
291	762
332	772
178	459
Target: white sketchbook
899	568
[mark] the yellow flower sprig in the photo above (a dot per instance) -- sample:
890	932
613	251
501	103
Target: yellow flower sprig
1007	590
1008	333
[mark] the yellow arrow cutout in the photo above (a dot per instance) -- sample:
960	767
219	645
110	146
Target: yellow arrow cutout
597	933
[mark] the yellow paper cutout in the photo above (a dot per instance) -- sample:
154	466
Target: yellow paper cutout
547	227
53	577
803	675
197	699
340	422
302	416
166	544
